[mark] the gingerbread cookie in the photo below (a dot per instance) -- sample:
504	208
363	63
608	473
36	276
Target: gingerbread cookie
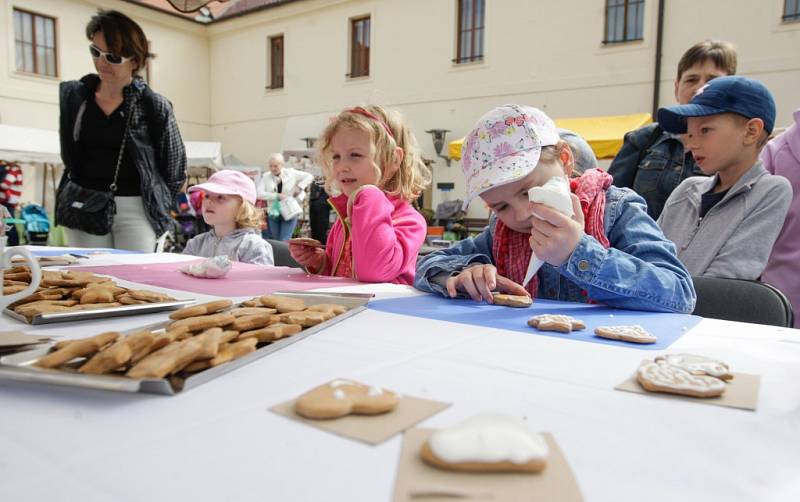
227	352
335	308
202	309
272	333
252	302
251	322
698	365
487	443
118	353
203	322
283	303
77	348
663	377
149	296
344	397
635	334
305	241
555	322
307	319
127	299
517	301
245	311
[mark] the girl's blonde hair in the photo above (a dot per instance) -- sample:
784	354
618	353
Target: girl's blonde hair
249	216
386	132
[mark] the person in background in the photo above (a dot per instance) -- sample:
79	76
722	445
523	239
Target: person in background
101	111
724	225
10	192
278	184
781	156
652	161
582	152
229	207
319	210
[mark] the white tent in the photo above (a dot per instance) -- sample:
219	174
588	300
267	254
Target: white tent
36	147
204	154
39	146
28	145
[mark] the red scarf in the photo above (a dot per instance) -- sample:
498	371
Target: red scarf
512	250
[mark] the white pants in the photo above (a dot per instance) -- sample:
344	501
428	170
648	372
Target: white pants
130	231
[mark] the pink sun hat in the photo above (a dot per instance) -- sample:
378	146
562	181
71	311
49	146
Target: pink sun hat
504	146
229	182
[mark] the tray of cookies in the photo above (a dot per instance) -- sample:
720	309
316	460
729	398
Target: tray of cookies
73	295
198	343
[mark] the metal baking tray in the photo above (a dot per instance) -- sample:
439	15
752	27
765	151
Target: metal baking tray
83	315
19	367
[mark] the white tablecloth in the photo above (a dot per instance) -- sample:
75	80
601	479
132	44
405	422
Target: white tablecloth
218	442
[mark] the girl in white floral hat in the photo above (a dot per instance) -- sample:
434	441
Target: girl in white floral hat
609	251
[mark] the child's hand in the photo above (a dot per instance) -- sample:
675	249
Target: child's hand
310	257
554	236
479	281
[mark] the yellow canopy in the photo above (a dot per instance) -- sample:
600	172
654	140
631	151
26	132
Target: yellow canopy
604	134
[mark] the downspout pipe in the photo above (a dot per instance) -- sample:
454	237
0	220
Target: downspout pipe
659	44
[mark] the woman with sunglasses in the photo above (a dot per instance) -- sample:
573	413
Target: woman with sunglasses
120	137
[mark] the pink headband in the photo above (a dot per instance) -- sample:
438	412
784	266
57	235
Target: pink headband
361	111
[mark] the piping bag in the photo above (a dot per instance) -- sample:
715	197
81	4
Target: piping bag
555	194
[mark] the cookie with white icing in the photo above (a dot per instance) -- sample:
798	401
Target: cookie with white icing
661	376
635	334
555	322
487	443
518	301
345	397
698	365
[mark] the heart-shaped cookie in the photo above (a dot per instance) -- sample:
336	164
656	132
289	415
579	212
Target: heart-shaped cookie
487	443
345	397
698	365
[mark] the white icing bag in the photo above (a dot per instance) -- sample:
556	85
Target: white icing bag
554	193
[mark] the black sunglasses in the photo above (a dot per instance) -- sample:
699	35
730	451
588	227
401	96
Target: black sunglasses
110	58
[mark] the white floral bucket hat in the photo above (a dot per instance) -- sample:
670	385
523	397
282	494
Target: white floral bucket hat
504	146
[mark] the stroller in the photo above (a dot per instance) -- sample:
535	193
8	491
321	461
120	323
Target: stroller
37	224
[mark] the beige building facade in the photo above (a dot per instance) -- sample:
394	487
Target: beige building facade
549	54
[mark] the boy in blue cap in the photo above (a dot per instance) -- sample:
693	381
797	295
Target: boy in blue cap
725	225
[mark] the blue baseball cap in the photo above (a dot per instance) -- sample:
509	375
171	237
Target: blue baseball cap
734	94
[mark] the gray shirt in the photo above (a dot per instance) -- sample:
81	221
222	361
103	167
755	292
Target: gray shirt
243	244
734	239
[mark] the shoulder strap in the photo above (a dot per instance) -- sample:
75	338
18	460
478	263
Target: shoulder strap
113	186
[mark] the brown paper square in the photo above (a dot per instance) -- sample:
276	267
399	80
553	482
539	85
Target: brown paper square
18	338
372	429
741	392
417	481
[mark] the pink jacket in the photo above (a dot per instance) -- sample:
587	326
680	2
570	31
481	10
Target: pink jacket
781	156
386	233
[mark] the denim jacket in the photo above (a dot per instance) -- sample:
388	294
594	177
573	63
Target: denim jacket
653	163
639	271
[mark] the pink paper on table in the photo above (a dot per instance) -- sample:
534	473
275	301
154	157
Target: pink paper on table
243	279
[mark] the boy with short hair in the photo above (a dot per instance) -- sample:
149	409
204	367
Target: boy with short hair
725	225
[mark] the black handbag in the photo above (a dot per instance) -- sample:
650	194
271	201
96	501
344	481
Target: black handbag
86	209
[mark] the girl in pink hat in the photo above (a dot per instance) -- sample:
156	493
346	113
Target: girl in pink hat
229	206
373	170
608	250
